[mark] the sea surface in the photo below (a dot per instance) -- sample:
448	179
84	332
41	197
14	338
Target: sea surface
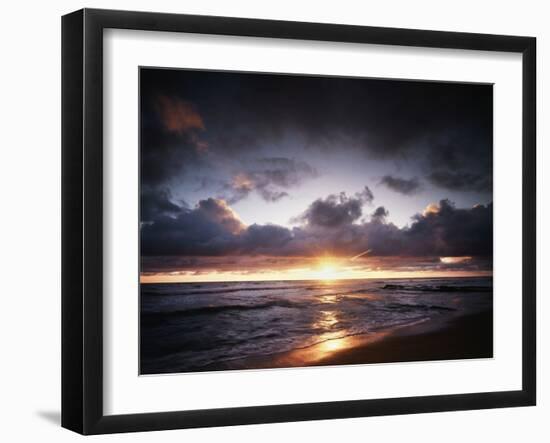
187	327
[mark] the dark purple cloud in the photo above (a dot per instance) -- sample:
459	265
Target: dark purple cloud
461	180
380	214
243	134
156	202
445	127
269	177
336	210
402	185
329	225
211	228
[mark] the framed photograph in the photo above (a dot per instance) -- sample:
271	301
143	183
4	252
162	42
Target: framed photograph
269	221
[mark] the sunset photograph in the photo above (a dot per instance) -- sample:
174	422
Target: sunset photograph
290	221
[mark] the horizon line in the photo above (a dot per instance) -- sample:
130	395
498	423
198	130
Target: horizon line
461	275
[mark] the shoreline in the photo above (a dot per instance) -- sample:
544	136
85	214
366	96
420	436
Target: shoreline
463	337
458	337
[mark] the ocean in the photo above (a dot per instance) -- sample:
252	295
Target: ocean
189	327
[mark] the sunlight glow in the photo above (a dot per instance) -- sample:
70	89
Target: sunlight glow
327	273
299	274
453	260
326	270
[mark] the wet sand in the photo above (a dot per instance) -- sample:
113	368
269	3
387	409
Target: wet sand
463	337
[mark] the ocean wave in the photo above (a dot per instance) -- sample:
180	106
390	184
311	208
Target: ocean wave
225	290
415	307
437	288
217	309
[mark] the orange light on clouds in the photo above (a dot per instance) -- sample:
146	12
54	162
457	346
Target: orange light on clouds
432	208
324	270
178	115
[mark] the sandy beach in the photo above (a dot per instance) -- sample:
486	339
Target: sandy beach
469	336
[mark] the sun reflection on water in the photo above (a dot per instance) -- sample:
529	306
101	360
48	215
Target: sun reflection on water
328	319
331	338
332	345
329	299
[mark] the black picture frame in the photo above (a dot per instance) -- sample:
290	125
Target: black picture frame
82	219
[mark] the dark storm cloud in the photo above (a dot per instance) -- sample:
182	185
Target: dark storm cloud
219	131
336	210
451	231
171	139
329	225
444	230
461	163
155	203
269	177
211	228
284	172
444	127
264	239
172	156
380	214
401	185
461	181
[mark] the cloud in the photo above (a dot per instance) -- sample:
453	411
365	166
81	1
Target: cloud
177	115
219	211
329	226
380	214
442	231
156	202
172	139
450	231
461	162
461	181
270	177
216	125
211	228
205	264
335	210
432	208
365	196
264	239
443	130
403	186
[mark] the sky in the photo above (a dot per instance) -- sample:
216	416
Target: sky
250	176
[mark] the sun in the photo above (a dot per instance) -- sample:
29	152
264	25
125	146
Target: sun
327	272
